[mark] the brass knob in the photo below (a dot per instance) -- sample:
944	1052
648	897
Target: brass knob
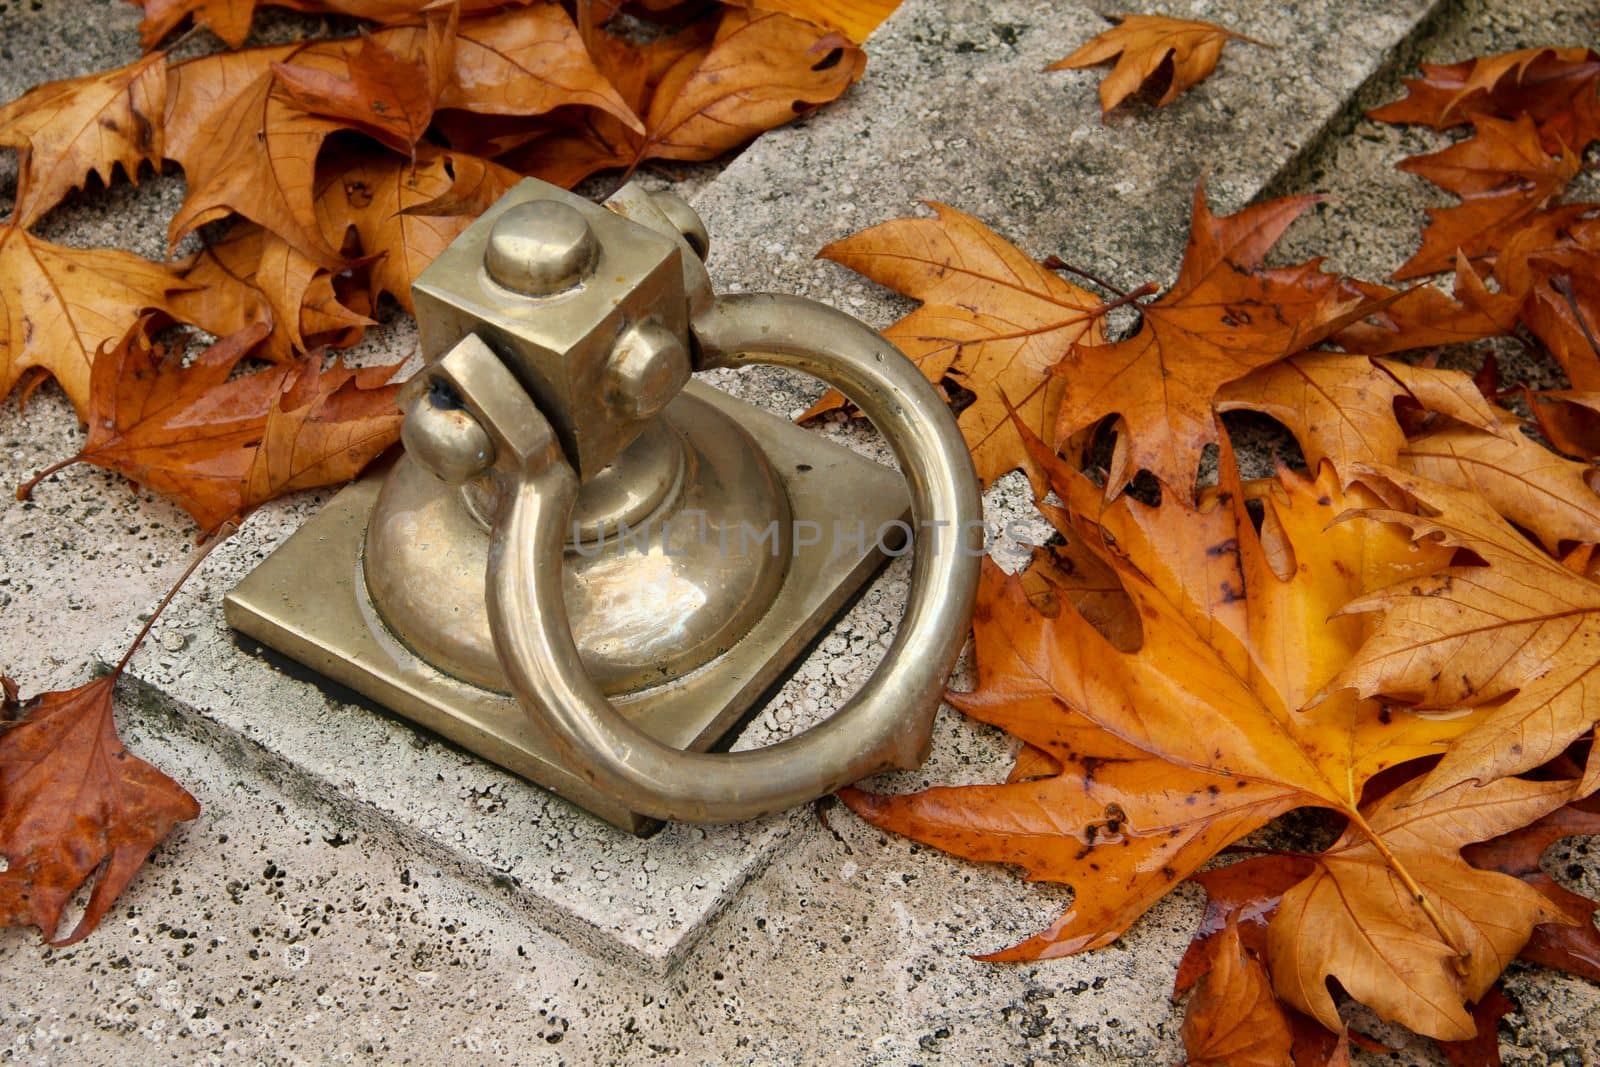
442	435
540	248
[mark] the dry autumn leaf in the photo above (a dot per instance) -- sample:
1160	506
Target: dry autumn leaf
75	807
1224	317
67	130
1341	409
1170	752
384	84
528	62
1518	638
251	276
1549	275
1504	177
1353	918
1556	87
699	99
1180	51
230	19
246	149
383	201
993	321
1233	1018
856	19
217	443
59	305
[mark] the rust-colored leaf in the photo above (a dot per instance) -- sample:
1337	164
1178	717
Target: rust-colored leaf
59	305
217	443
1181	53
1226	316
1504	177
856	19
383	200
1233	1019
993	321
384	84
1555	87
67	130
1172	751
700	98
75	807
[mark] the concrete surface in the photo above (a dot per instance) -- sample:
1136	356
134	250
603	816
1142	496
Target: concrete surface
354	892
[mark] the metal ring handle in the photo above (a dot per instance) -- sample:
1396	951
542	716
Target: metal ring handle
888	723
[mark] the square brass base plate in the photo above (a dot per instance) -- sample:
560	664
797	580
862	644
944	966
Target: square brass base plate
309	601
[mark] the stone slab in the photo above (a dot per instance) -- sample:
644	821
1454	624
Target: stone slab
954	106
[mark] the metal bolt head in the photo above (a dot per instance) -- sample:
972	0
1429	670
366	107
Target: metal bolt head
540	247
647	369
443	436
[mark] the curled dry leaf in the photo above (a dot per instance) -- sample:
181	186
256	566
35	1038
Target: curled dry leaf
1519	638
699	98
1233	1018
1355	920
1185	51
217	443
230	19
1341	409
856	19
993	321
528	62
246	149
67	130
1224	317
383	84
1569	419
1549	496
1549	276
1555	87
1504	177
1424	317
251	276
75	807
59	305
383	200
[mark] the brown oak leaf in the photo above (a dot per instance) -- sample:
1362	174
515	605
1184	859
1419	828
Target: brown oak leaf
75	807
856	19
1569	419
67	130
993	321
59	305
1180	52
1224	317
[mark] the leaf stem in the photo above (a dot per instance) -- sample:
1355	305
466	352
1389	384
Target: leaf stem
1563	285
1055	262
1412	887
223	532
25	490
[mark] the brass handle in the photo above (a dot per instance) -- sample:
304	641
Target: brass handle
888	723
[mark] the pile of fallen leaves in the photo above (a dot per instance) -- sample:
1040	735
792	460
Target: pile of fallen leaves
1402	633
322	175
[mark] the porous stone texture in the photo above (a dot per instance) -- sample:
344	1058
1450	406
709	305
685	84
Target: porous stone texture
355	891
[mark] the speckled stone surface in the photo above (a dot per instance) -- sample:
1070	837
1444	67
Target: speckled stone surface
355	893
